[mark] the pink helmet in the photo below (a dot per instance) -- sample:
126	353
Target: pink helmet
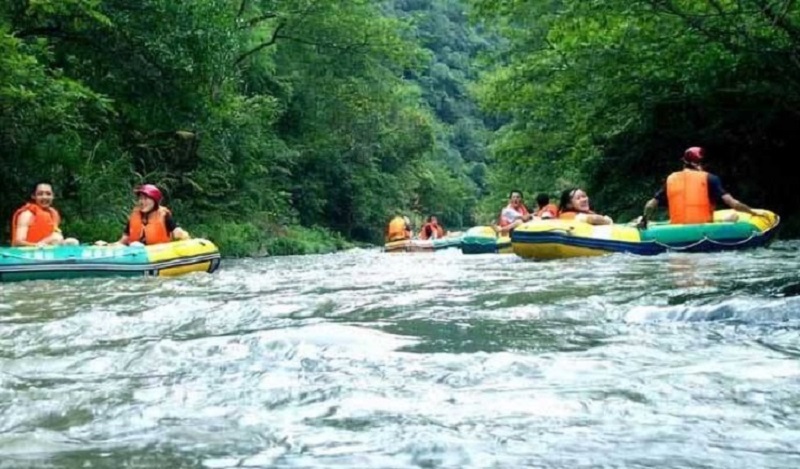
693	155
150	191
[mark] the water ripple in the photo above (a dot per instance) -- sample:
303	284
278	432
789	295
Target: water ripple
363	359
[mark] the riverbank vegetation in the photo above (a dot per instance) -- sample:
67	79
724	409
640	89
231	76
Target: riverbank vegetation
607	95
324	115
298	126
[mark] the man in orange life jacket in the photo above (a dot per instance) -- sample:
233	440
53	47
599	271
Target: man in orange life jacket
692	194
149	222
37	222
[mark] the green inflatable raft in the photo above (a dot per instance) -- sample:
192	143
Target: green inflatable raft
64	262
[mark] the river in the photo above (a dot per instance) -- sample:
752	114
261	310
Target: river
371	360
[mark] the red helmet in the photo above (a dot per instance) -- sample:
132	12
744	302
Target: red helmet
693	155
150	191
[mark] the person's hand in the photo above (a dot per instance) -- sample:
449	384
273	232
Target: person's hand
100	243
641	223
42	244
760	213
136	244
609	220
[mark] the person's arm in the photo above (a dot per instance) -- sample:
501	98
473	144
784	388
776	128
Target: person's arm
180	233
739	206
594	219
21	234
174	230
54	239
526	215
123	240
719	193
650	208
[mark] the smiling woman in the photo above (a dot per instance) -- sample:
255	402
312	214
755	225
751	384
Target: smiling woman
574	205
150	222
37	222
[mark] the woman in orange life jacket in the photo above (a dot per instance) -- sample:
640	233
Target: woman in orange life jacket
149	222
574	205
544	209
432	229
37	222
691	195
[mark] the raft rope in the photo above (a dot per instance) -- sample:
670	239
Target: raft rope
705	239
753	234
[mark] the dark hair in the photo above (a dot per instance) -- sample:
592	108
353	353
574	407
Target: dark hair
542	199
517	191
565	203
36	185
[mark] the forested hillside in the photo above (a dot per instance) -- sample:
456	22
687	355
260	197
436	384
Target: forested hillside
292	126
607	95
453	46
254	116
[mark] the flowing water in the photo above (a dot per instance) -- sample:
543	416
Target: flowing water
365	359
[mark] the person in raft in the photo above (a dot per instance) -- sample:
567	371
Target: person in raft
399	229
37	222
691	194
513	214
574	205
432	229
544	209
149	222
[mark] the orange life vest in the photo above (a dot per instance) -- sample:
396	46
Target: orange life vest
153	231
397	230
551	208
44	222
687	197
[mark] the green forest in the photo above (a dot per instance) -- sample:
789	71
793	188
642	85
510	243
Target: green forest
300	126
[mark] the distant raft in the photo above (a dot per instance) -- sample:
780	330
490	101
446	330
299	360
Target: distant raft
66	262
451	240
485	240
558	239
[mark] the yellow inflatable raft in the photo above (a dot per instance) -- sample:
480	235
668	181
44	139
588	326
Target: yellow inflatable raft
556	239
59	262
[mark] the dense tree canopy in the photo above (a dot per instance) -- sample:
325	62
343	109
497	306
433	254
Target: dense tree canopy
608	94
257	115
273	113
